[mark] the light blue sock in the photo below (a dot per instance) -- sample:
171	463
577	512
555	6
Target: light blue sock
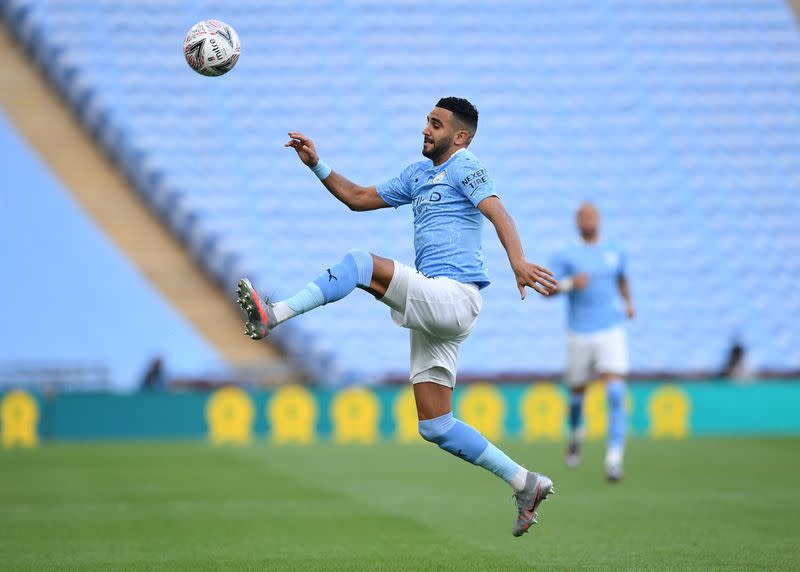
617	419
355	269
494	460
461	440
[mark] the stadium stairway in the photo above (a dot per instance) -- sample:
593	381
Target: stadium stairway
76	314
678	117
795	4
108	198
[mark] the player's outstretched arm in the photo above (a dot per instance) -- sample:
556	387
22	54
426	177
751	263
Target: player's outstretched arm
527	274
356	197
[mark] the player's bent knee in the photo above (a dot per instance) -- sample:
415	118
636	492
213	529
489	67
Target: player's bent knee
454	437
382	274
434	430
363	260
428	434
357	264
360	255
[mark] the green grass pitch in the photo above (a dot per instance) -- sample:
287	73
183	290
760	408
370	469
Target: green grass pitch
703	504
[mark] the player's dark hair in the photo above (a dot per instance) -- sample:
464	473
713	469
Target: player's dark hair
463	111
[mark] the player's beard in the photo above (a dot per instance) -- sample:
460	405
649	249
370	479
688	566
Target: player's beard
438	149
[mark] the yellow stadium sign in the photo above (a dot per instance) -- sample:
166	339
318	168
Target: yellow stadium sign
355	413
543	410
230	414
292	414
19	415
669	407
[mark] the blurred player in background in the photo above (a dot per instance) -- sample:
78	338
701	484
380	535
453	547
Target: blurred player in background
591	273
439	301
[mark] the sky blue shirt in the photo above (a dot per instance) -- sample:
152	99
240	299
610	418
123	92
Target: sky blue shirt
599	306
447	222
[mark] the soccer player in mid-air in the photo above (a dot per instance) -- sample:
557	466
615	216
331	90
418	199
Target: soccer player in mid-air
439	301
592	274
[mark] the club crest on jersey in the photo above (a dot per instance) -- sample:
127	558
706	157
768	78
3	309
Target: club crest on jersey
439	177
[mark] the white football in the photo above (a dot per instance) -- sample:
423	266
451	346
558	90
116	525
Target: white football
211	47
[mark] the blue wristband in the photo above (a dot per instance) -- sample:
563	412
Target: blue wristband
321	170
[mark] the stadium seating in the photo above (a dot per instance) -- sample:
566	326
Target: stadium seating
76	313
679	118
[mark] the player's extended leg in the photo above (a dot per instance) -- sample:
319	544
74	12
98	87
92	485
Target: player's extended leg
438	425
358	268
617	425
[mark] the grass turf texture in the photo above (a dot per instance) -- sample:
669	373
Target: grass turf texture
700	504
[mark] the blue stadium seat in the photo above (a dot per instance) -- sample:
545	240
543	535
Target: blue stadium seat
679	118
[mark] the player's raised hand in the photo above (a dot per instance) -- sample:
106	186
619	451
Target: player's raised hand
537	277
304	148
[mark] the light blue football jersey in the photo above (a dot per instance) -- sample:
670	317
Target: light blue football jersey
447	222
599	306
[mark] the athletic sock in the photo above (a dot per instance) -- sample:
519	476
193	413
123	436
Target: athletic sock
494	460
355	269
463	441
575	415
617	418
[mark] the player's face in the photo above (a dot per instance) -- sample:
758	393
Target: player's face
588	220
438	134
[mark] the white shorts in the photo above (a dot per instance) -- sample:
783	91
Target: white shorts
592	354
439	313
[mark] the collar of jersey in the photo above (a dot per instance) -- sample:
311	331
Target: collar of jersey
581	242
453	156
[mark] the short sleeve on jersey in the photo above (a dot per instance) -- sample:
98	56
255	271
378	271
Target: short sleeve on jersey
397	191
471	178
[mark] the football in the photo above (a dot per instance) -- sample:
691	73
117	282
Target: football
211	48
